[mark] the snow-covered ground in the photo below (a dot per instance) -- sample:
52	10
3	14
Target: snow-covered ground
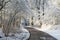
55	31
24	35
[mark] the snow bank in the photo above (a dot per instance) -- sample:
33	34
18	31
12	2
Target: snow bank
46	27
24	35
1	33
55	27
54	33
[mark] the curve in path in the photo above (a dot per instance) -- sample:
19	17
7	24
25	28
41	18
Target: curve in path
39	35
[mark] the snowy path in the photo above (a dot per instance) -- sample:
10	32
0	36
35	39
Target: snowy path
54	33
39	35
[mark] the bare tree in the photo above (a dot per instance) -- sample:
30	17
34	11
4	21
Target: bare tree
19	7
3	3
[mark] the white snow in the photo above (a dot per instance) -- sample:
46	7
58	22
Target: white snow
24	35
54	33
1	33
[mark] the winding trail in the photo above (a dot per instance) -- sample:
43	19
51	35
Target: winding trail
39	35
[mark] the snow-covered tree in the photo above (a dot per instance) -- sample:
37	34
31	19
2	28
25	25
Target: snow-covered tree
13	9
